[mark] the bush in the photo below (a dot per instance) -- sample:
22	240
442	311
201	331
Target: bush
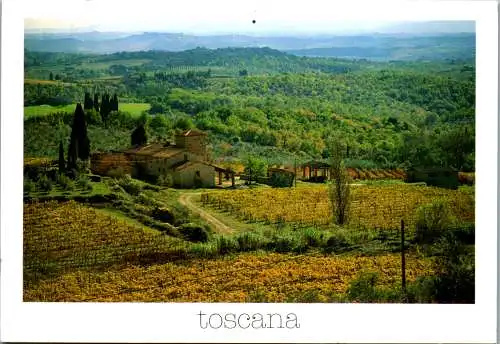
44	184
337	243
285	243
204	250
363	289
281	180
65	182
84	183
455	267
432	220
193	232
117	172
226	245
312	237
130	186
28	185
250	241
167	228
163	214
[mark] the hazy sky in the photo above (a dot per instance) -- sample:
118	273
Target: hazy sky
220	16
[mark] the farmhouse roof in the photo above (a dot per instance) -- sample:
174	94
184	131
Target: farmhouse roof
187	164
156	150
192	132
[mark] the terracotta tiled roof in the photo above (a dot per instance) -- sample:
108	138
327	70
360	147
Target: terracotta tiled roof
186	164
156	150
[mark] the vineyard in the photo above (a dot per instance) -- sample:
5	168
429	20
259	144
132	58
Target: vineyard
63	236
381	207
244	278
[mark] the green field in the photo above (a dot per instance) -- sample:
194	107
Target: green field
40	110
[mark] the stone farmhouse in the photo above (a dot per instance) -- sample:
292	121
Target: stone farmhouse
186	161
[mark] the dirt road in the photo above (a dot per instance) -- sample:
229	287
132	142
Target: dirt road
186	199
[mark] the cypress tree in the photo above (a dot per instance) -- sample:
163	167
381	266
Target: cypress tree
96	102
61	157
79	145
88	104
139	136
105	107
114	103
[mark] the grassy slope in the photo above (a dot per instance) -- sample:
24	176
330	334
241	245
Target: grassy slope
133	108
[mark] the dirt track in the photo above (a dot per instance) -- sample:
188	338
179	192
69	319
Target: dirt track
186	199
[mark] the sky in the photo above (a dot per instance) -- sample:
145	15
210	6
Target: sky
221	16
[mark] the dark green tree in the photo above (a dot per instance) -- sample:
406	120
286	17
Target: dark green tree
96	102
339	190
114	103
62	163
139	135
79	144
88	104
255	168
105	107
51	76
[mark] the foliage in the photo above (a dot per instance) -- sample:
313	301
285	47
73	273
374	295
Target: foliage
254	168
340	195
432	220
139	136
44	183
194	232
28	185
79	144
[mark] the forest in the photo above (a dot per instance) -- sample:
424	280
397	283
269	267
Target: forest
264	102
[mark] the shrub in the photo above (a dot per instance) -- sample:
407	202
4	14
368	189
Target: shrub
28	185
204	250
44	183
226	245
432	219
362	289
194	232
84	183
117	172
130	186
455	269
337	243
250	241
163	214
285	243
65	182
281	180
312	237
168	229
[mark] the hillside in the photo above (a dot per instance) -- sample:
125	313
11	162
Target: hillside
383	46
269	103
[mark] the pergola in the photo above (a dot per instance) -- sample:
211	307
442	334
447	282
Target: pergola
226	171
315	169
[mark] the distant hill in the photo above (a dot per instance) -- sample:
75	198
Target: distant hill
431	27
373	46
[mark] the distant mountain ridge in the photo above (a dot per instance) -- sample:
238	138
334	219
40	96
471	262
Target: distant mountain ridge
374	46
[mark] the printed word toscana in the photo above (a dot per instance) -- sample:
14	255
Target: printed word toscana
248	321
